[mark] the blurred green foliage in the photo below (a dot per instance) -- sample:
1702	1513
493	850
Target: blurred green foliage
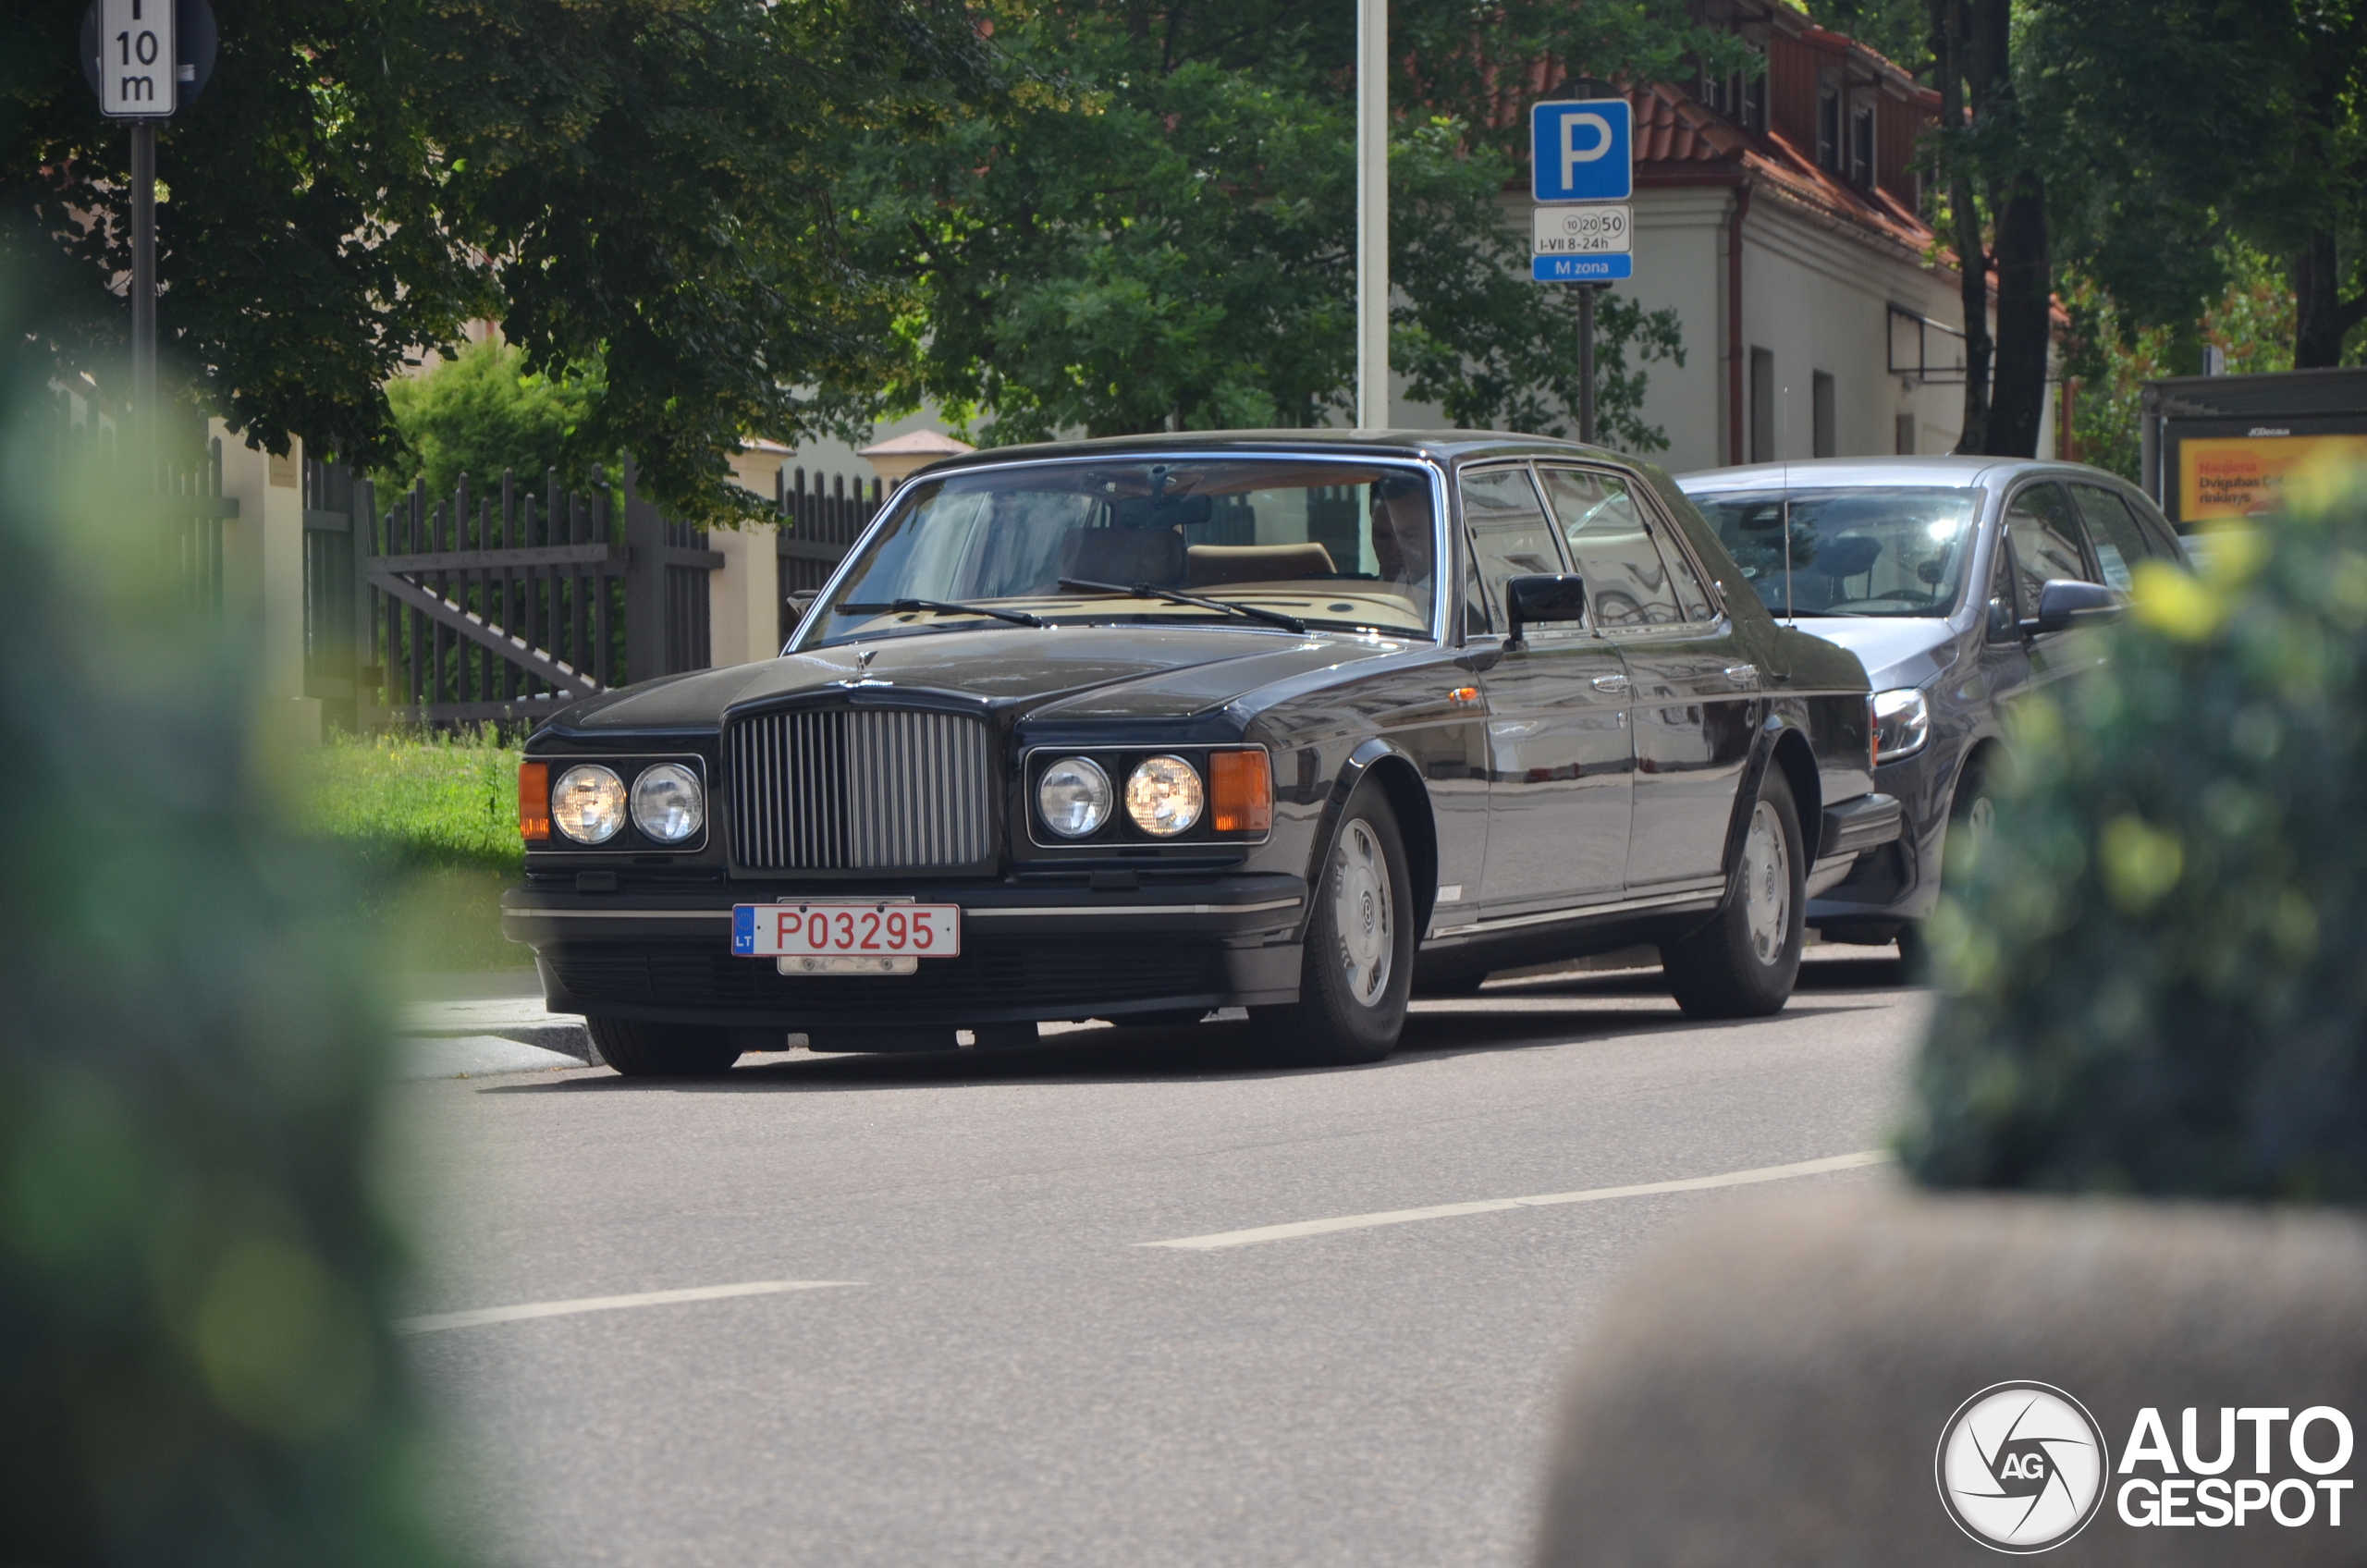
482	411
195	1276
2153	981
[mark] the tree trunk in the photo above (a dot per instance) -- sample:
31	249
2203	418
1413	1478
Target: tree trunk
2018	405
1950	42
2322	319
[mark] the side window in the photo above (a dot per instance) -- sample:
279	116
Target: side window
1474	597
1509	534
1689	592
1627	580
2113	533
2046	542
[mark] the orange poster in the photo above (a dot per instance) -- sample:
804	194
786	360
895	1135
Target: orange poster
2239	476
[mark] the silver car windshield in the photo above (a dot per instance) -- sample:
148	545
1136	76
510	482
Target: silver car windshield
1349	545
1874	552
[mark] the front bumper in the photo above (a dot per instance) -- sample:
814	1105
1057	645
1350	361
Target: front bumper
1028	955
1898	880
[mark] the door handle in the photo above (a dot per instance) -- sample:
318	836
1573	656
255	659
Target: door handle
1743	674
1614	684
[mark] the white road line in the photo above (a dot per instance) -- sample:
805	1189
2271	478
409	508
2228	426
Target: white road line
1219	1239
436	1320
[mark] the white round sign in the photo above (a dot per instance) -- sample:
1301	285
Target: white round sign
2022	1467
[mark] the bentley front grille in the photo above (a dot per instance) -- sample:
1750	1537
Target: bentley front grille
859	790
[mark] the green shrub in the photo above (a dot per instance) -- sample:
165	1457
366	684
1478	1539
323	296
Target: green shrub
2156	979
195	1275
481	412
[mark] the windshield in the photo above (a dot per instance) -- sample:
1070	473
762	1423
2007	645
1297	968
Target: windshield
1891	551
1340	544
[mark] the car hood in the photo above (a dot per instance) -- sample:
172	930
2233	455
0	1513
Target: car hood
1896	651
1078	671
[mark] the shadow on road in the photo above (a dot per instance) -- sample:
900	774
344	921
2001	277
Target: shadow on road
1508	1015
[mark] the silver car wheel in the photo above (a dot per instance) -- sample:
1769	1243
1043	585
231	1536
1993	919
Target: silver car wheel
1980	820
1361	912
1767	883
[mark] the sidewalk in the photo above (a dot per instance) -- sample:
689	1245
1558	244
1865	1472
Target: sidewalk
465	1026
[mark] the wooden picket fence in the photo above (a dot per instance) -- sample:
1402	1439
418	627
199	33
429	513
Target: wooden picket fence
817	528
499	606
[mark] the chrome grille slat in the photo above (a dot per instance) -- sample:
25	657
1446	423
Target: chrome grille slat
858	789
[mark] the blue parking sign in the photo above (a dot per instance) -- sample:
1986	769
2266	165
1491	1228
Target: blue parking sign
1583	151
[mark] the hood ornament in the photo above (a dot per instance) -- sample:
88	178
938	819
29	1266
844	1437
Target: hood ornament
862	677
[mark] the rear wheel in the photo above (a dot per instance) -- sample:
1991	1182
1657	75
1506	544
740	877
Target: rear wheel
1743	963
1359	965
662	1050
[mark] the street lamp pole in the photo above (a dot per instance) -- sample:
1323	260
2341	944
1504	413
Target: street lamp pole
1372	214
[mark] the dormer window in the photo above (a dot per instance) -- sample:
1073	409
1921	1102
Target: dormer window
1828	122
1862	146
1740	96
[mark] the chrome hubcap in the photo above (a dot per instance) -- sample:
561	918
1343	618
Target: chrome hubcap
1361	914
1767	883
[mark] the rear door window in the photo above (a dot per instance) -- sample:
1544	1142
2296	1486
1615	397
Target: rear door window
2046	536
1627	579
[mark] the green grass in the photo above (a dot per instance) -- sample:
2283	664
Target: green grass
434	821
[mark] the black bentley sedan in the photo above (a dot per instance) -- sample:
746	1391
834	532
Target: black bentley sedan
1296	722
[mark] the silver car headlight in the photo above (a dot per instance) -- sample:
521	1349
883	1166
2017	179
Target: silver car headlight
1164	796
1074	797
1902	724
588	803
667	804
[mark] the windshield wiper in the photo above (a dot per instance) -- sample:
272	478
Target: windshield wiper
1153	591
941	607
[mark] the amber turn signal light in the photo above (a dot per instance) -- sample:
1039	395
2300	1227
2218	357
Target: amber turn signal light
534	801
1241	792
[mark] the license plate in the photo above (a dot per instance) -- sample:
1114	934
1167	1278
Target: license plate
847	936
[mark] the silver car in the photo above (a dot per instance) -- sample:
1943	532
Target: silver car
1961	584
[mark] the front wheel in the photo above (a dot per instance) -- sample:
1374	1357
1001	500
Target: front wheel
661	1050
1743	963
1359	965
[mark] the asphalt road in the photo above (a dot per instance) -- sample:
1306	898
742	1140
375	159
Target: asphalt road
998	1371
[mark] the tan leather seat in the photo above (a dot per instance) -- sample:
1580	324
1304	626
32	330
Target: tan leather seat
1207	564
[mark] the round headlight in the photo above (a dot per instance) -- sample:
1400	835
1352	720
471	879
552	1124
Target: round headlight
1164	796
667	804
1074	797
588	803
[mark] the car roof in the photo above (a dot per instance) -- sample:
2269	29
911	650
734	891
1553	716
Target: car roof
1851	472
1446	446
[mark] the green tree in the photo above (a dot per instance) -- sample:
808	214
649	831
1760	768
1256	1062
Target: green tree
1159	232
644	183
2179	122
483	411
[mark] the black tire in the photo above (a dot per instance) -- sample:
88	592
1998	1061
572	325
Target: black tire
662	1050
1349	1008
1972	815
1745	962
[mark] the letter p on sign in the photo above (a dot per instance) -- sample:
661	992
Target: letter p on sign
1582	150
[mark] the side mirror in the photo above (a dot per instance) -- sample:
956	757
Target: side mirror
2064	603
2000	621
1561	596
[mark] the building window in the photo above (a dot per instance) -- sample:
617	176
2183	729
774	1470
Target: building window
1763	405
1827	422
1741	96
1754	104
1828	122
1905	424
1862	146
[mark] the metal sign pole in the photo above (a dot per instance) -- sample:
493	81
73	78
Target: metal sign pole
143	286
1585	361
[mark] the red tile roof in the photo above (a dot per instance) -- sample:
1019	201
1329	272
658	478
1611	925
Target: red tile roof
1679	141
